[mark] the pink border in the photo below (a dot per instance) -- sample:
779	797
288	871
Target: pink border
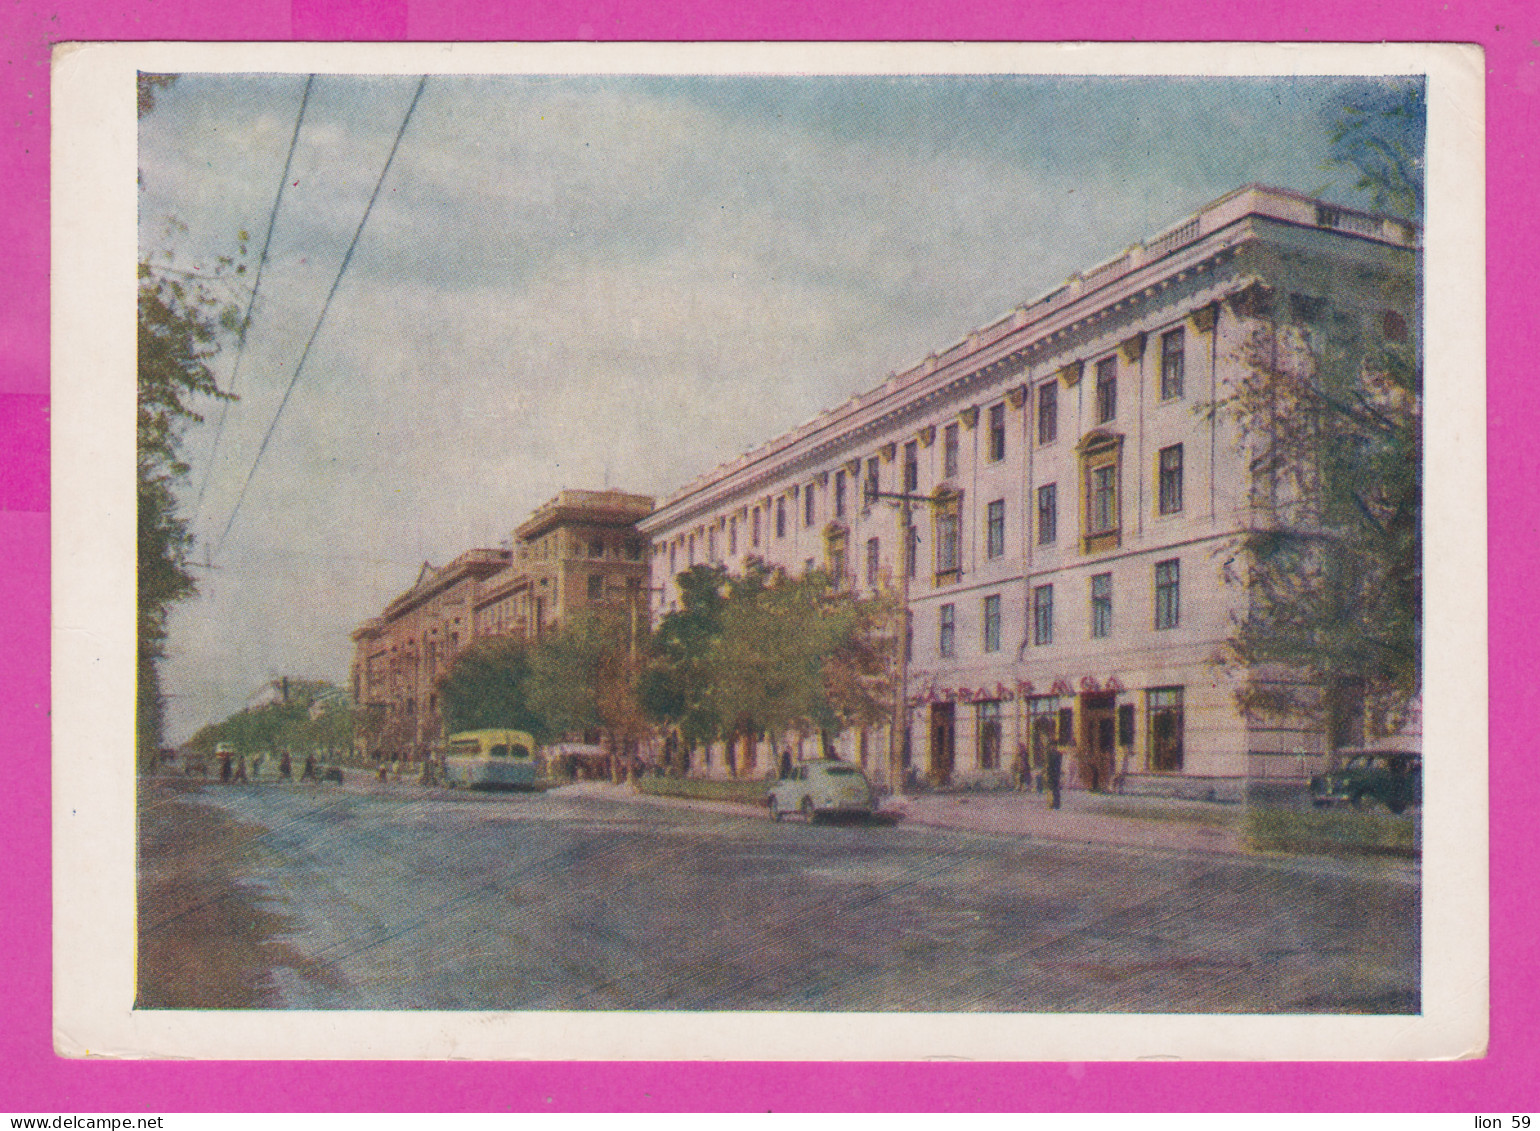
34	1079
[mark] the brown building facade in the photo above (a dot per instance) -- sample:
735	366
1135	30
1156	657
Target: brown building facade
578	551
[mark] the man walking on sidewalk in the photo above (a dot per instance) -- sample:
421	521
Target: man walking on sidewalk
1055	770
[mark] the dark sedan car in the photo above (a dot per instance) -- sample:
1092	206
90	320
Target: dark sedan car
1390	778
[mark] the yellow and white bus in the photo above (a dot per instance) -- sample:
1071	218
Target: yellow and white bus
491	759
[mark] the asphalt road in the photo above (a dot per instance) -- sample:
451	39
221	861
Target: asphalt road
326	898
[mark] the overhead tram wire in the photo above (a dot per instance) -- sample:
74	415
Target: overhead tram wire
347	258
256	287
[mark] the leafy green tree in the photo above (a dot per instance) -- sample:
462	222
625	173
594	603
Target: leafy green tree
488	686
1379	133
315	716
585	679
1332	633
674	687
796	655
186	315
1334	579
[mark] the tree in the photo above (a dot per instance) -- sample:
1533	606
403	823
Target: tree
585	679
185	317
313	715
487	686
1379	133
1332	634
1334	579
795	654
674	686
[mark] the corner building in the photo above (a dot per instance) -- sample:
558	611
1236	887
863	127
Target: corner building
578	552
1067	568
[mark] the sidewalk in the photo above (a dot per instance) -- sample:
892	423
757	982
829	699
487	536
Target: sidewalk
1084	818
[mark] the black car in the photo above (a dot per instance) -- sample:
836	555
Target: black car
1391	778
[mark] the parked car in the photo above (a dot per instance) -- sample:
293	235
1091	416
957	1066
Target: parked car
822	787
1391	778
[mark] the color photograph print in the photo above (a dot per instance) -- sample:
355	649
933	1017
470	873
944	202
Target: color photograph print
769	552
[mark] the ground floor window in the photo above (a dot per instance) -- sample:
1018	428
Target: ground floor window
1043	710
989	734
1164	709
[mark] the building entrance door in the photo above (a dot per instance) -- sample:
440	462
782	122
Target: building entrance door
1100	737
943	741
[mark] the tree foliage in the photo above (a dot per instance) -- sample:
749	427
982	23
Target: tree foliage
487	686
584	678
764	653
1333	417
186	315
1334	579
316	716
675	686
1379	133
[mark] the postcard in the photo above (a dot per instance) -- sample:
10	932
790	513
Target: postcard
769	552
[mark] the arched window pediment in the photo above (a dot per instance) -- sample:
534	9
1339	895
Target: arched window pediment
1099	440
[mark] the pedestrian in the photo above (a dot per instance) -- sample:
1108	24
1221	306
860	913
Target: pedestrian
308	774
384	770
224	765
240	768
286	767
1019	769
1055	771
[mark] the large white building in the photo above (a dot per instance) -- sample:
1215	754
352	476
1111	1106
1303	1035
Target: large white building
1067	578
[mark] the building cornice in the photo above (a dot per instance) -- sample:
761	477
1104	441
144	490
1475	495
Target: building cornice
1066	315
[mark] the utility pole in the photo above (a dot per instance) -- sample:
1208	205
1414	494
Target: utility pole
898	737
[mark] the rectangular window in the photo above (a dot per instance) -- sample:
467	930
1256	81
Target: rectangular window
995	529
673	562
1102	497
1171	479
1047	413
992	623
946	540
780	517
873	559
807	506
1106	390
989	734
949	450
1042	614
912	552
996	432
1168	593
596	587
1047	514
1172	364
1043	728
911	467
1163	707
1101	604
732	535
1125	724
711	543
873	482
946	641
839	494
754	529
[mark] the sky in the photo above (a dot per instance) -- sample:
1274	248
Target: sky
589	281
